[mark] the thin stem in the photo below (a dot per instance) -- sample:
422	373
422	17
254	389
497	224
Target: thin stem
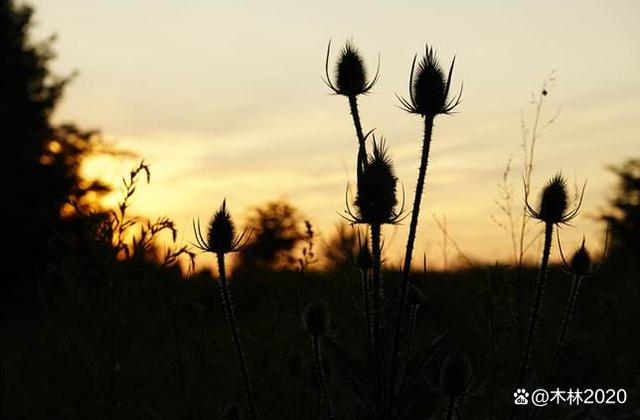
322	377
413	317
366	296
573	297
451	408
362	151
406	270
377	318
232	323
535	309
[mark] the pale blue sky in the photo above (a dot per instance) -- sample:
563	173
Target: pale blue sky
225	99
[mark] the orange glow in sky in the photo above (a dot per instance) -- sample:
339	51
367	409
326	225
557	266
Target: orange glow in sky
226	100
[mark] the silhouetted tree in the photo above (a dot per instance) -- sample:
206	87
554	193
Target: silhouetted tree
40	160
624	219
275	231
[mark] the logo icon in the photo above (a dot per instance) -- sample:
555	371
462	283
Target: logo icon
521	397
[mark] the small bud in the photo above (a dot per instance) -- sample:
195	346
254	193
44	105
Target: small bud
553	201
221	234
376	199
455	375
316	318
414	296
581	261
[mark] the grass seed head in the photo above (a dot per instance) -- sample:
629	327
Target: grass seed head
316	318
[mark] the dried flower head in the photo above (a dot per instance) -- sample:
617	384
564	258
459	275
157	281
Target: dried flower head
376	198
221	235
350	72
316	318
455	375
429	88
554	202
581	261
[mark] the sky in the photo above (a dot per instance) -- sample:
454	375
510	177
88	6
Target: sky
226	100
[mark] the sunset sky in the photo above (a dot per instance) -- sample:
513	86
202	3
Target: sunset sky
226	99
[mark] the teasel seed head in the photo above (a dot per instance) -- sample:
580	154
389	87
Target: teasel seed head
316	318
414	296
429	88
221	234
580	263
350	73
376	198
554	202
455	375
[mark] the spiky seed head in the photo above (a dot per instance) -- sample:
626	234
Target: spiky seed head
376	200
455	375
554	200
429	88
316	318
581	261
351	76
232	413
221	234
414	296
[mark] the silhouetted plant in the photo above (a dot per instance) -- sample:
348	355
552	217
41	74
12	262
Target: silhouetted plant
455	378
222	239
351	81
316	322
375	205
552	211
428	97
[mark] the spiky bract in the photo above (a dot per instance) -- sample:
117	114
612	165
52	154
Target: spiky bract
221	233
350	73
429	87
376	199
554	201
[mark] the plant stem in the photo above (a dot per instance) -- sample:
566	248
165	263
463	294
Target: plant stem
377	318
362	151
450	408
366	295
535	309
232	323
573	297
406	270
322	377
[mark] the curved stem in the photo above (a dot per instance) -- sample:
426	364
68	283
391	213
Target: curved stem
406	269
573	297
535	309
235	336
362	151
322	377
